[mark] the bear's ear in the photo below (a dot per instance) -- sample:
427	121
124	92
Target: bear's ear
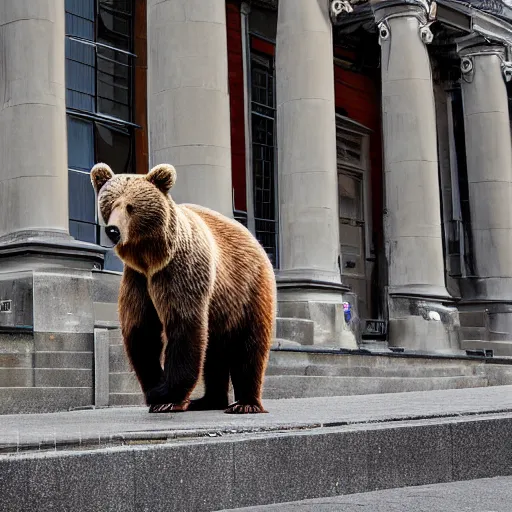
163	176
100	174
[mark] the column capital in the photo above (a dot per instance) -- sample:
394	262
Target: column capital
245	8
468	55
424	12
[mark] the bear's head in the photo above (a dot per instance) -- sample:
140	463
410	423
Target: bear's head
135	208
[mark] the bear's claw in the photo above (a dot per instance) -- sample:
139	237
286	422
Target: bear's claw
161	408
238	408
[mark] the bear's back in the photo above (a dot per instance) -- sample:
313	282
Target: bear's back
242	265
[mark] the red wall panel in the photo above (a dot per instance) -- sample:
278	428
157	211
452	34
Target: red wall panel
236	100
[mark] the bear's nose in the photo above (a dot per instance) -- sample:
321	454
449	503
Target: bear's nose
113	233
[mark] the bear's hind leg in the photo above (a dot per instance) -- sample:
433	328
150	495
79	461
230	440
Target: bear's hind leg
216	377
248	363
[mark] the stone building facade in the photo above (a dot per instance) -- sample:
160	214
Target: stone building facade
366	144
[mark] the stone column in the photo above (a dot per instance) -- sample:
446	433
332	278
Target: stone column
34	173
414	248
489	168
309	276
47	286
189	117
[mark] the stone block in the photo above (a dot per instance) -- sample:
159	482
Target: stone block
21	343
65	378
17	288
62	302
34	400
63	342
401	457
481	449
295	329
78	360
16	377
14	485
101	367
299	466
115	337
126	399
86	482
118	360
124	382
196	477
105	286
16	360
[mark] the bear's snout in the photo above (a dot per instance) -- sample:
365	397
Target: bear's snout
113	233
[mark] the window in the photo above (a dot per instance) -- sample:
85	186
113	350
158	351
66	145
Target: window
263	119
99	101
459	237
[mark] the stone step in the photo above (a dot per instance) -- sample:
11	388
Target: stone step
500	348
211	461
292	386
327	370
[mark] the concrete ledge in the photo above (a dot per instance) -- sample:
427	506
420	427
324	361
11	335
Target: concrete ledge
255	469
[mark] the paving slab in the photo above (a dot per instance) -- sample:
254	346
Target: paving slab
99	425
483	495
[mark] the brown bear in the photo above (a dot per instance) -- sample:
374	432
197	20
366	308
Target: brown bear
198	294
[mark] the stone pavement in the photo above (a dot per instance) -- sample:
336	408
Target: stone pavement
484	495
98	426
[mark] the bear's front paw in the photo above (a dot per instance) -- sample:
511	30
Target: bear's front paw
158	396
161	408
245	408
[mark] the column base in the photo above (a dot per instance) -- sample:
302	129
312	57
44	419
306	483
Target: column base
320	302
424	324
52	291
486	325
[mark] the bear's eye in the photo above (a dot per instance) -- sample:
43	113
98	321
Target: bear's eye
129	208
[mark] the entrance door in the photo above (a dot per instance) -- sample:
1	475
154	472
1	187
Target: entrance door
352	146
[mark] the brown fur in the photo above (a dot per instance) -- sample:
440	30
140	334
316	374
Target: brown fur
195	282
